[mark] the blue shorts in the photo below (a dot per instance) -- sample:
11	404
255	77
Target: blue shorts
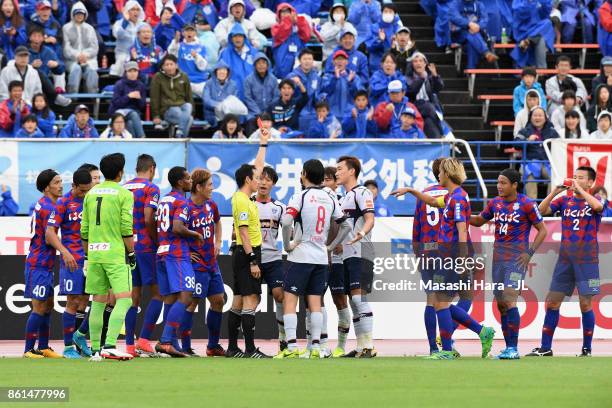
174	276
305	279
144	274
358	274
509	273
336	279
569	275
273	274
450	281
38	283
71	283
208	284
427	276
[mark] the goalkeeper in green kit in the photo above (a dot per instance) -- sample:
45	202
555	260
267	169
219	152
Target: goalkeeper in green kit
107	234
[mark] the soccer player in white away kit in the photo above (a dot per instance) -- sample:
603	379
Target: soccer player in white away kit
358	253
312	210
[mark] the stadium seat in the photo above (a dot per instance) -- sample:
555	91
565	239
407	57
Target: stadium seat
499	125
487	103
582	47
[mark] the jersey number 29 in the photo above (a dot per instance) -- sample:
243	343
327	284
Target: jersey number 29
163	216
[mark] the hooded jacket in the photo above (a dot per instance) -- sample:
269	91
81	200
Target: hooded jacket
225	26
535	151
164	33
148	57
80	39
215	92
242	64
555	93
520	93
10	42
363	16
431	86
379	83
558	119
31	81
312	83
595	109
8	206
339	92
604	29
600	79
260	92
358	62
52	28
22	133
600	134
387	121
10	119
46	124
72	130
376	46
520	121
124	30
205	7
289	39
168	91
121	100
46	54
330	127
359	127
330	30
287	114
531	18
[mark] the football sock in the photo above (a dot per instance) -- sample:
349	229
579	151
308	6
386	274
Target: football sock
248	329
167	307
514	325
279	321
357	324
44	330
551	319
213	322
307	323
324	328
173	322
185	331
464	304
233	327
130	325
430	327
316	322
32	330
69	321
150	318
504	325
588	326
344	325
116	319
96	315
291	329
366	319
461	316
108	309
82	322
445	324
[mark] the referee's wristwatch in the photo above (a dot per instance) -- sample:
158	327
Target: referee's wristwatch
253	259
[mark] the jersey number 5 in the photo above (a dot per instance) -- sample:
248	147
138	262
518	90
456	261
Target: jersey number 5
433	215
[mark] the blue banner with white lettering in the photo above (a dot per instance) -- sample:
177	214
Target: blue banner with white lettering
391	165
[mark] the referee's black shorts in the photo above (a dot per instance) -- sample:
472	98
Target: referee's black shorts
244	283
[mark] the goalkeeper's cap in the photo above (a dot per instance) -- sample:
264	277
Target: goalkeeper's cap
44	179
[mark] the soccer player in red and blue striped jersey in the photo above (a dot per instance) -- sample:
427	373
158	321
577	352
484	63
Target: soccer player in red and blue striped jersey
175	275
425	226
578	263
513	214
204	218
39	268
453	243
67	219
146	197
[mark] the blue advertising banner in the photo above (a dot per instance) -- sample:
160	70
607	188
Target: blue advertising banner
392	165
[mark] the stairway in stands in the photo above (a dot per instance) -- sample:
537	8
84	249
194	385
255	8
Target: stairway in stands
462	113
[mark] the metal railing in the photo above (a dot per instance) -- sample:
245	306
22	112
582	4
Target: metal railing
511	161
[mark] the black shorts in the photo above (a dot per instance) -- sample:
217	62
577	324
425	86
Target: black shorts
336	279
358	274
244	283
273	273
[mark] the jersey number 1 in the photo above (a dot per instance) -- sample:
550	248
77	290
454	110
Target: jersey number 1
98	208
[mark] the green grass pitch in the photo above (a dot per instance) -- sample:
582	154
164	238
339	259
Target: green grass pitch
380	382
